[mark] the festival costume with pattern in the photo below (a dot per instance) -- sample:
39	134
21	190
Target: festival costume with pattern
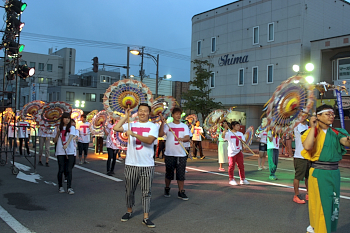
324	185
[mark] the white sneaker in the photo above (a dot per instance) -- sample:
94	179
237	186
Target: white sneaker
244	182
61	190
310	229
232	182
70	191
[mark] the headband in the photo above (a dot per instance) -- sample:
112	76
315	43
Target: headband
325	110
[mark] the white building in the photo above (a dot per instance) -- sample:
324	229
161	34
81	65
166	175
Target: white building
253	45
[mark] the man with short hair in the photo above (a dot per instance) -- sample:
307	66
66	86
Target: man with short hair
301	165
84	138
139	162
324	147
175	154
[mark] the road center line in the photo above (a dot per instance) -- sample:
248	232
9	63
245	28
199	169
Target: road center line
12	222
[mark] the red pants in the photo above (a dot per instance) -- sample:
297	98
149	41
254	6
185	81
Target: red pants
238	158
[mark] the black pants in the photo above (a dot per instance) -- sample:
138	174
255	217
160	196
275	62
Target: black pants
83	147
65	166
98	144
160	148
112	156
25	144
197	144
34	141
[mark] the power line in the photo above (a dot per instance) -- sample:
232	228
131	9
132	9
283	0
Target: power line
101	44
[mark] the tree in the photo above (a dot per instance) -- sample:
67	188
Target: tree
197	98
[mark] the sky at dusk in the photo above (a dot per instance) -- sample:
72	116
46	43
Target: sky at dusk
162	26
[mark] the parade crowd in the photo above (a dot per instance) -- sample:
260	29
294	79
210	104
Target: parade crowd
318	149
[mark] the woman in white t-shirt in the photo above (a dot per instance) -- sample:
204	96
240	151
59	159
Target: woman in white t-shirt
65	151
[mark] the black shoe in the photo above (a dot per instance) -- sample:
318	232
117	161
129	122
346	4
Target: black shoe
109	173
112	172
148	223
126	217
40	163
166	192
182	195
203	157
47	165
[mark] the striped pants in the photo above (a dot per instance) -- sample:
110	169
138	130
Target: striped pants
134	175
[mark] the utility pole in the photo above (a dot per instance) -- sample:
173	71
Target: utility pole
127	62
157	75
141	72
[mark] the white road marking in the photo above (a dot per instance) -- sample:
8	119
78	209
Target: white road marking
93	172
258	181
31	178
12	222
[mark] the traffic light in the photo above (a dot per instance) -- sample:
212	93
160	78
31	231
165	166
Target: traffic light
15	6
24	71
95	64
13	48
13	24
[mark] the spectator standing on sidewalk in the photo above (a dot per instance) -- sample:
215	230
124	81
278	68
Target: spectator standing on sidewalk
112	149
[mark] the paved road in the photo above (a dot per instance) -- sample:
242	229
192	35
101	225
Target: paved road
214	206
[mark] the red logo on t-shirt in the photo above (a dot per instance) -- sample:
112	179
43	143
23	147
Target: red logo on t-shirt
84	127
140	131
197	131
177	131
23	124
237	141
63	136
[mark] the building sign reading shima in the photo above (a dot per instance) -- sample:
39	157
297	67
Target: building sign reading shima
226	60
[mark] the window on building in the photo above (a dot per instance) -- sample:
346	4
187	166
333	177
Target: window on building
49	81
32	65
213	44
199	47
255	75
49	67
23	62
344	68
255	35
54	96
101	97
241	77
90	97
41	67
50	96
58	96
212	80
270	74
105	79
70	96
40	80
270	32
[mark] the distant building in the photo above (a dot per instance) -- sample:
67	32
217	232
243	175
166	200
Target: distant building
253	45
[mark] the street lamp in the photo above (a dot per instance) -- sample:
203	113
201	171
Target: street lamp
155	60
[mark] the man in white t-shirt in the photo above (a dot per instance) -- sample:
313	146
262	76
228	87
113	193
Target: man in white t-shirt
84	138
235	155
139	162
23	135
301	165
197	132
44	140
273	147
175	155
12	136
